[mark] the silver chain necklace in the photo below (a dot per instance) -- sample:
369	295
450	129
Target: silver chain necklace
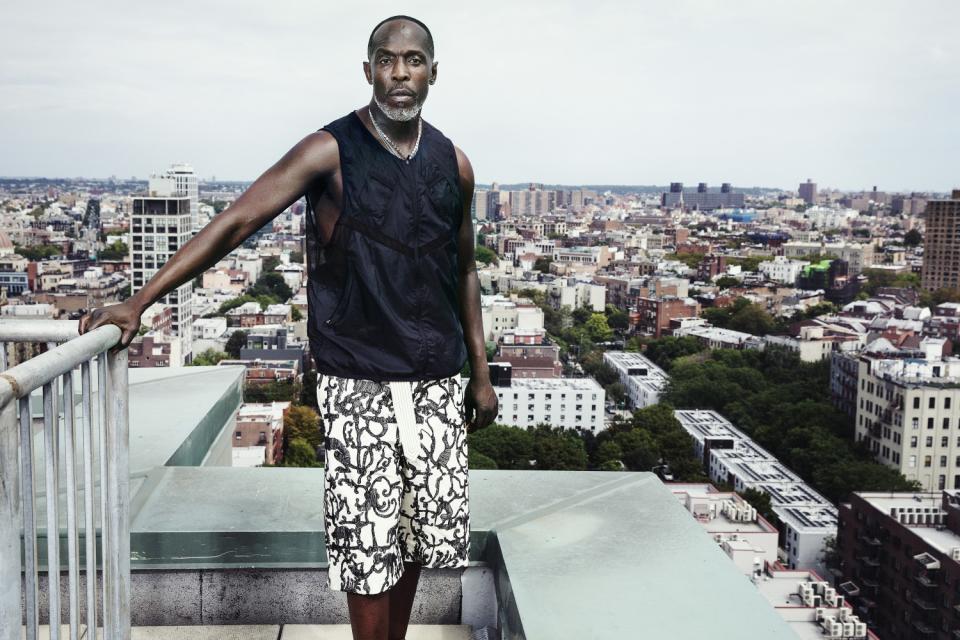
394	149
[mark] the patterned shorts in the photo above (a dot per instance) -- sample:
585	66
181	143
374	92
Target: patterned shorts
395	479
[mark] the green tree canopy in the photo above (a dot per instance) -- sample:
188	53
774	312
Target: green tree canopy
303	422
300	453
486	255
236	341
208	358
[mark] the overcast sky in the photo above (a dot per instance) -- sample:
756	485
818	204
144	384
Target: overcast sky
851	94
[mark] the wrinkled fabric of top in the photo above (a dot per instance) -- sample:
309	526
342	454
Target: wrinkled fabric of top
383	294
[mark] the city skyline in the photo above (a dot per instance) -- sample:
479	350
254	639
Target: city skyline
756	94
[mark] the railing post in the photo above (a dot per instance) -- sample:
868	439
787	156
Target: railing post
9	523
117	440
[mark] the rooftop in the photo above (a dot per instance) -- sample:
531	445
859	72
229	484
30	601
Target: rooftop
942	539
531	384
554	554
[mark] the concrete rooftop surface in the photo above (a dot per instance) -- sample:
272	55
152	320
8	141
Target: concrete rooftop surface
558	555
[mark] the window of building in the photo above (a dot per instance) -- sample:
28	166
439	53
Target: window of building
239	435
916	402
932	403
943	462
929	423
929	441
913	442
913	461
946	402
946	423
927	461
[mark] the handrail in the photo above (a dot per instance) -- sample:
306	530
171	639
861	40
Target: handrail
40	330
32	374
101	424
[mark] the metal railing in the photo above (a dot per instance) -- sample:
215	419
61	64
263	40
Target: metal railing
97	434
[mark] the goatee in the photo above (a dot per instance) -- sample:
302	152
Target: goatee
399	114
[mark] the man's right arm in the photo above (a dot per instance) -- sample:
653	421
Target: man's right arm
315	157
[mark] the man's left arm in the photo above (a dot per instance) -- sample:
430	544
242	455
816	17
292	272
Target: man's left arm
480	400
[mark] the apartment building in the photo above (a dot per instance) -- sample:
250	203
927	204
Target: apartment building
900	562
159	227
908	412
731	457
571	403
941	244
643	380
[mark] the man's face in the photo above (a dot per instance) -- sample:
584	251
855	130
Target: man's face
400	69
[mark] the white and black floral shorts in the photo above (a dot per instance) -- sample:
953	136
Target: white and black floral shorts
395	479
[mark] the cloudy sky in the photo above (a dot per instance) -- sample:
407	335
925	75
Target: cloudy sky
852	94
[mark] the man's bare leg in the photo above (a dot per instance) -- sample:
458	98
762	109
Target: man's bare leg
384	616
369	615
401	600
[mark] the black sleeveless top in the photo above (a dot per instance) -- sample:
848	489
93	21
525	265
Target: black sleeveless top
383	293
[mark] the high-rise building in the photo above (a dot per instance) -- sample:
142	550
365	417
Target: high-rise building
808	191
480	205
179	178
159	226
941	244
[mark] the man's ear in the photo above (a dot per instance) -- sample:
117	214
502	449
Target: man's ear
433	73
366	71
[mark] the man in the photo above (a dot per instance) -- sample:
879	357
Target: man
394	312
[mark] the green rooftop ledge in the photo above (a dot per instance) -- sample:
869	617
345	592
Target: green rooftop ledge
574	554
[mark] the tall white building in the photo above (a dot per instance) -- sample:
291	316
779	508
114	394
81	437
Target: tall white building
159	226
179	179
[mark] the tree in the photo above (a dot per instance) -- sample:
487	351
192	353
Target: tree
270	263
663	351
308	389
208	358
37	252
639	449
233	303
295	314
477	460
304	423
508	447
725	282
237	341
830	555
913	238
760	501
300	453
542	264
618	320
607	451
752	319
558	448
276	391
117	250
616	392
271	284
598	329
486	255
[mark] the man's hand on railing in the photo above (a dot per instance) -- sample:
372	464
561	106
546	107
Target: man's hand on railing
125	315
